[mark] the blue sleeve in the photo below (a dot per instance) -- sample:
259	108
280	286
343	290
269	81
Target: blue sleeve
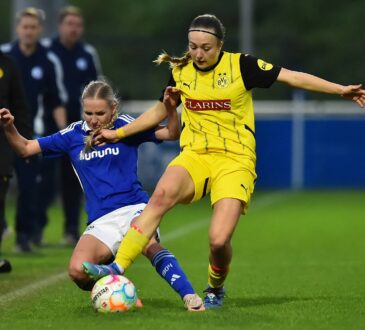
54	145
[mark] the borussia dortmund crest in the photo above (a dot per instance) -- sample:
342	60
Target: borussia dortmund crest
264	65
222	81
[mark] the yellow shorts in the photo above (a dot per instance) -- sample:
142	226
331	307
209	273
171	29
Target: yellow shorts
221	175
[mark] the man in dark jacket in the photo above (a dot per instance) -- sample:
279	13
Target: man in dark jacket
12	97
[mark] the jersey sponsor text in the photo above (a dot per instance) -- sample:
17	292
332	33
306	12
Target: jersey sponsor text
99	153
201	105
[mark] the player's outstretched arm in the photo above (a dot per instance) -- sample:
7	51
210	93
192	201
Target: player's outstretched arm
315	84
149	119
22	146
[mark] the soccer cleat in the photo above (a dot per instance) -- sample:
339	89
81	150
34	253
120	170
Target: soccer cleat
5	266
98	271
214	297
193	303
139	303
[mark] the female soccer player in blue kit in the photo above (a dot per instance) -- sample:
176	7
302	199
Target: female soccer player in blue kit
108	175
217	142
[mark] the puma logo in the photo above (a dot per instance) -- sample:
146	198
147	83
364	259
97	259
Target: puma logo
186	84
244	187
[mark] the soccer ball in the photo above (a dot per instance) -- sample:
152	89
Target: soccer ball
113	293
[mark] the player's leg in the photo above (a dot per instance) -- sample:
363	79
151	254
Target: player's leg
169	269
232	187
175	186
226	213
91	249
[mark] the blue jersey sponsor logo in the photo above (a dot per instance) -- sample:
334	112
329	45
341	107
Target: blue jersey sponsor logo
99	153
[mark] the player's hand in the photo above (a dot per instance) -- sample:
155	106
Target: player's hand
6	118
171	97
354	93
105	136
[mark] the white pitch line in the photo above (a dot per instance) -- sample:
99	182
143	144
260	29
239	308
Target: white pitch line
35	286
184	230
259	204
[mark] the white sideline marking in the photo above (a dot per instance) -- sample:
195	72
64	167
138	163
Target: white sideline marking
259	204
184	230
35	286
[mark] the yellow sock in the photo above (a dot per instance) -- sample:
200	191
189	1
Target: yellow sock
131	247
216	276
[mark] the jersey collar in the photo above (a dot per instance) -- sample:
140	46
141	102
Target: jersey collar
211	67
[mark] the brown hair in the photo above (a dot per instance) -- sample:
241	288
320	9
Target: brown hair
203	23
100	89
39	14
173	61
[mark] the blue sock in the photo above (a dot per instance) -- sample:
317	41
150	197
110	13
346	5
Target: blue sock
168	267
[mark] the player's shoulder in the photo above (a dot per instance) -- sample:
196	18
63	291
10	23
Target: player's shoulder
74	128
123	119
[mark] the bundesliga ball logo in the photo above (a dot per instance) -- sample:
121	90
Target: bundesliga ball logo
113	293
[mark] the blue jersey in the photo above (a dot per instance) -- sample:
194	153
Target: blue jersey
80	65
108	174
40	73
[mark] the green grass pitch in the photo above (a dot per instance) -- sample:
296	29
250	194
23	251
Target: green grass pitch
298	264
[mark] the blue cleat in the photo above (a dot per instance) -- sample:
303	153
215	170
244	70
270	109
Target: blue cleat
214	297
98	271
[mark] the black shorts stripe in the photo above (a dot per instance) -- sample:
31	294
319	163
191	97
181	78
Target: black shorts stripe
205	187
250	130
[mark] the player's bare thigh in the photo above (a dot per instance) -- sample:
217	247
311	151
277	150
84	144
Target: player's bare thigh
91	249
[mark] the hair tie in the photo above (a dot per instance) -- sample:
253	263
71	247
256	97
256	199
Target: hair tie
199	30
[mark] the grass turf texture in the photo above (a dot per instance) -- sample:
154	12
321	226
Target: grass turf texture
298	264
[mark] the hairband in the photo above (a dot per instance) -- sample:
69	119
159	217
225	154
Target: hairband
199	30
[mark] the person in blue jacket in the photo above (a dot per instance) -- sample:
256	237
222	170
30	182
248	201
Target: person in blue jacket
45	95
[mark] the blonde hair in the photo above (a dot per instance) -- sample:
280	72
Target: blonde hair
100	89
69	10
39	14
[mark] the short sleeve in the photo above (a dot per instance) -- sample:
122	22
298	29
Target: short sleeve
171	82
54	145
257	73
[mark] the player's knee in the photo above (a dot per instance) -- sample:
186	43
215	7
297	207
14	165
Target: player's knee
217	244
78	276
162	199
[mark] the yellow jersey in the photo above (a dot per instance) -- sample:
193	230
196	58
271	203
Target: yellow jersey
218	112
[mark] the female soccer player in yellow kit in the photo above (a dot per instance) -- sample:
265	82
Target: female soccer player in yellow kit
217	142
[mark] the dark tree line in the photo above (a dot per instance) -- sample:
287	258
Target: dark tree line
317	36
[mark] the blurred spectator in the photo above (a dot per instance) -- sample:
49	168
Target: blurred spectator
80	65
40	71
12	97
